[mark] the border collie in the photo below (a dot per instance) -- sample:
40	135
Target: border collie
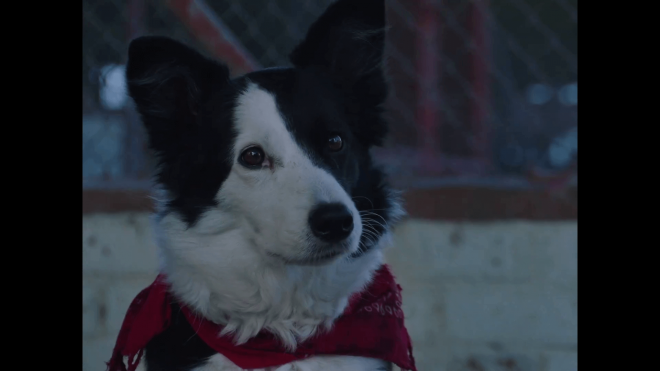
270	211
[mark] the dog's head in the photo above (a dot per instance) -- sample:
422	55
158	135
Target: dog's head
274	164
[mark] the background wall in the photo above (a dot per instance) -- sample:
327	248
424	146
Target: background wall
477	296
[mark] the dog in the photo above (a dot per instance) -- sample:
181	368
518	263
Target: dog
270	211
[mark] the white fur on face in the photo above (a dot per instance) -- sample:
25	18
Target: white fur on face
223	266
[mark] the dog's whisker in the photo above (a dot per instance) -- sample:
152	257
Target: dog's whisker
374	210
372	204
374	214
372	221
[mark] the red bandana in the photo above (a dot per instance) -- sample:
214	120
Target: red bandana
371	326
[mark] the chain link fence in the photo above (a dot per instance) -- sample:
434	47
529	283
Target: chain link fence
483	90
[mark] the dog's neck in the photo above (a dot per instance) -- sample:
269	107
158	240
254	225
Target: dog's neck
248	294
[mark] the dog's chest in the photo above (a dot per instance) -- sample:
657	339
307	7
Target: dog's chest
334	363
180	348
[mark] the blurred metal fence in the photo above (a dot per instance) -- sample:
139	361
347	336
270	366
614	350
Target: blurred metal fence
483	90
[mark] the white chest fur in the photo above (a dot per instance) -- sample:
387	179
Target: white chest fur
329	363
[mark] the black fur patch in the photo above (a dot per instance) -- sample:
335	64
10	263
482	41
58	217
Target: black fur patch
178	348
186	102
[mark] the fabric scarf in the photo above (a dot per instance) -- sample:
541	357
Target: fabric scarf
371	326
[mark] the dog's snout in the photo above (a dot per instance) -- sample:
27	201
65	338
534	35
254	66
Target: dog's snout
331	222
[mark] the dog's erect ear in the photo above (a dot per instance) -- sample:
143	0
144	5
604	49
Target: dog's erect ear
169	83
349	40
172	85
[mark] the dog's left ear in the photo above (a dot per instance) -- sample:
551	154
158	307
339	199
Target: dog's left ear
349	40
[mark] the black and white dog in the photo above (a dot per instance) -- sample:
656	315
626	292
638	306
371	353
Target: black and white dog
270	210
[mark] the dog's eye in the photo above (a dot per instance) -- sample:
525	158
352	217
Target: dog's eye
335	143
252	157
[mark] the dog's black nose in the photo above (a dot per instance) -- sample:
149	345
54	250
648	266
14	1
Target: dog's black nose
331	222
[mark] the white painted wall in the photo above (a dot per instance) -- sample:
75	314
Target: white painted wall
493	296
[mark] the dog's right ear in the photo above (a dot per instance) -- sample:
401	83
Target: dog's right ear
169	83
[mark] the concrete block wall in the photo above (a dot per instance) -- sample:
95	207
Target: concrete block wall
119	260
477	297
493	296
